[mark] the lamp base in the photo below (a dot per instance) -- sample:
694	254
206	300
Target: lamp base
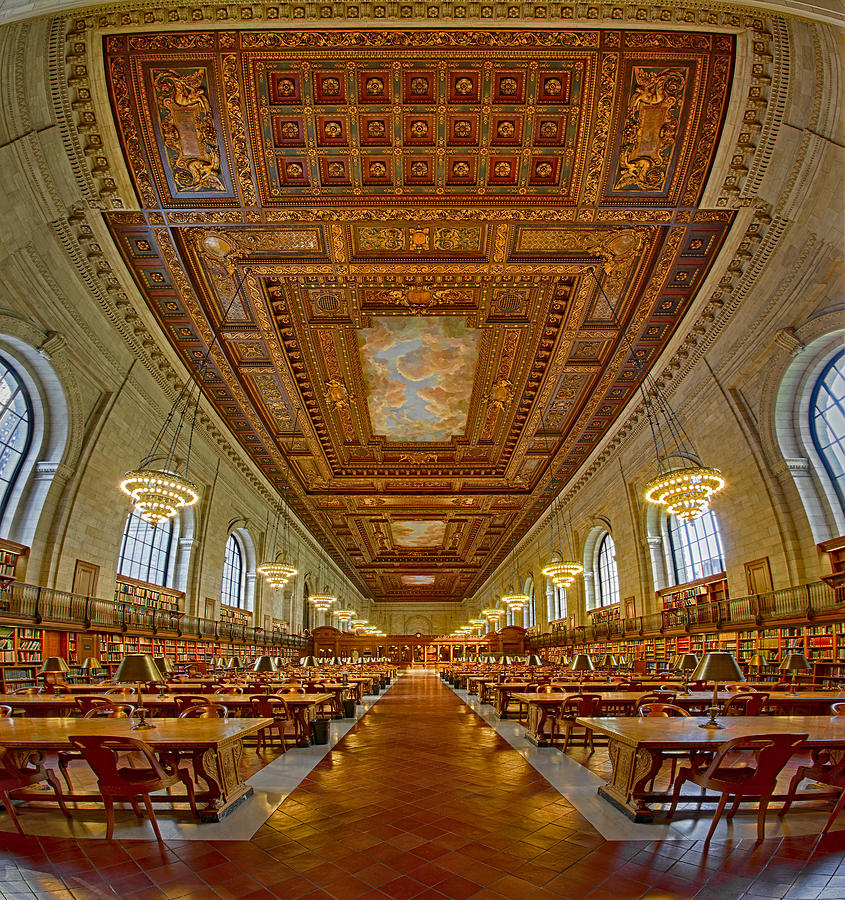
711	722
145	724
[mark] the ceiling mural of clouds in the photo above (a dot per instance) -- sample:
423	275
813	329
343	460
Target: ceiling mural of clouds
407	533
419	373
416	580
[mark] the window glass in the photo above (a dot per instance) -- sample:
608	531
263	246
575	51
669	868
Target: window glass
530	615
557	603
606	575
233	572
15	429
827	421
696	547
145	549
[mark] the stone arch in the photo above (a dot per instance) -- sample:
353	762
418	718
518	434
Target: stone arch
39	359
786	436
421	624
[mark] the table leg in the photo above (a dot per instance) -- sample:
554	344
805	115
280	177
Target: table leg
633	768
501	705
219	769
537	717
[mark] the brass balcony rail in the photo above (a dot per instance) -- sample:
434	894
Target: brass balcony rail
755	610
34	605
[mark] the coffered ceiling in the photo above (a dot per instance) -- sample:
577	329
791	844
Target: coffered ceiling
437	260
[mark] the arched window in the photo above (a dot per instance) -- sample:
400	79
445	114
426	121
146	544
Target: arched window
827	421
15	429
555	601
695	547
529	615
606	576
233	574
146	549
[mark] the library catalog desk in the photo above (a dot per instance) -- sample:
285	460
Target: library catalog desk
215	745
636	748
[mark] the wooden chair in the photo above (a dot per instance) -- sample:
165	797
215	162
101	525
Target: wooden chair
5	711
746	704
186	701
329	706
574	706
120	691
205	710
767	755
27	692
103	754
106	709
837	709
826	769
86	702
229	689
22	769
665	710
269	707
655	697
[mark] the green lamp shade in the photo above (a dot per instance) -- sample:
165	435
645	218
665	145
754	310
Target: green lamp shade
582	663
137	667
794	662
53	665
264	664
686	662
717	667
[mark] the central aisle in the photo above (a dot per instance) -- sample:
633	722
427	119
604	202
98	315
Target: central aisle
423	787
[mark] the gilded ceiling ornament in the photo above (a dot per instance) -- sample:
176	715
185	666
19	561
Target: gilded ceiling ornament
500	395
651	127
336	394
187	127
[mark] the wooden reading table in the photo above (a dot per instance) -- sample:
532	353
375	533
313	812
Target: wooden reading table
215	745
302	706
636	748
624	703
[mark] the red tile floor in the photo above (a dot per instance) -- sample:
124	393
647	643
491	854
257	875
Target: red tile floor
421	800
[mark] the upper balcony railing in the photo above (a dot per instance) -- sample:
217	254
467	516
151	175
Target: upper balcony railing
805	601
47	607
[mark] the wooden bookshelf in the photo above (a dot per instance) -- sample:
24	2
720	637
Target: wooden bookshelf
235	615
143	593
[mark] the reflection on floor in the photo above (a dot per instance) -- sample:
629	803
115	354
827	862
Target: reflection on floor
579	774
421	799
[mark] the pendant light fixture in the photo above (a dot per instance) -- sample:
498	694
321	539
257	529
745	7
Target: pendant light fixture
562	567
325	600
277	572
160	486
683	484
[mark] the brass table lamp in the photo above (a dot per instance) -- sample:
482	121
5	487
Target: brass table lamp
794	662
264	664
138	667
686	662
166	667
716	667
582	663
52	666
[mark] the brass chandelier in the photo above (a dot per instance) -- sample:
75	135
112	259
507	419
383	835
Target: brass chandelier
160	486
683	484
562	567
